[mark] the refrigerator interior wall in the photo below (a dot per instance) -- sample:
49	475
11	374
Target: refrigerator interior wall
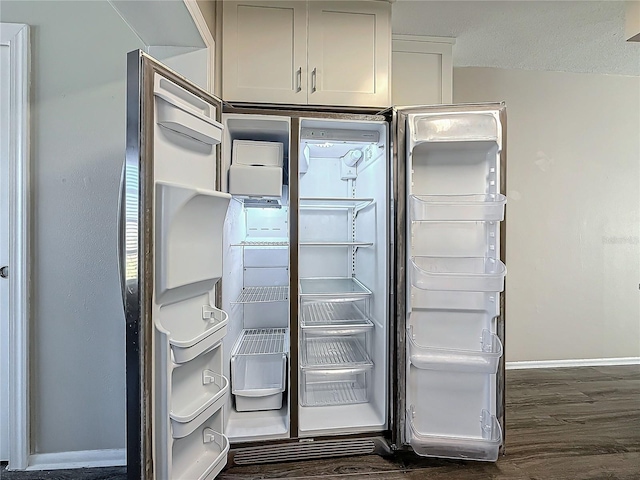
189	384
343	228
454	279
255	293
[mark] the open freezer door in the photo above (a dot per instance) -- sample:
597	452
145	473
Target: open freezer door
451	163
171	260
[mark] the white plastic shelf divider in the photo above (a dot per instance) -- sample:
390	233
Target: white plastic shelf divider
263	294
334	352
469	274
483	447
316	203
461	208
484	360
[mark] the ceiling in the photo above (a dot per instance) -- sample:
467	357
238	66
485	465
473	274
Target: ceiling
568	36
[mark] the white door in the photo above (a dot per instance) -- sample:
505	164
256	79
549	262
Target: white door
264	52
349	51
5	82
453	324
171	260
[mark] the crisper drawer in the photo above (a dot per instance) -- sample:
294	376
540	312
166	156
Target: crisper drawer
259	369
320	388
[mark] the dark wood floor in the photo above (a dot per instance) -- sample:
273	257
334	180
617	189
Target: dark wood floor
562	424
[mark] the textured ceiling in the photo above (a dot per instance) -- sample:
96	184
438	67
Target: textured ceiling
569	36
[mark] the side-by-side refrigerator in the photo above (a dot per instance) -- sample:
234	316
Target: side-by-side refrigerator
307	283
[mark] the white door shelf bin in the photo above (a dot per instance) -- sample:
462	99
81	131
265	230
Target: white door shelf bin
174	115
334	318
185	419
192	334
455	127
259	369
321	388
485	446
471	274
438	208
188	241
484	360
202	454
198	390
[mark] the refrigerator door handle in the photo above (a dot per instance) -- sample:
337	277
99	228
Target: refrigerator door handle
314	77
299	80
121	236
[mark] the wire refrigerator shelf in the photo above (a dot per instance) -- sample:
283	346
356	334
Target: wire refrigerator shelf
262	341
263	294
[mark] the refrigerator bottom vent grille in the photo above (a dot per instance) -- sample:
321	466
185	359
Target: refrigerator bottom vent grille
302	451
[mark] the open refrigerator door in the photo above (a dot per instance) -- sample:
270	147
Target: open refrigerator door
452	323
172	216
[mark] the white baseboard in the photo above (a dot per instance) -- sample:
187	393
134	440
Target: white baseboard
587	362
80	459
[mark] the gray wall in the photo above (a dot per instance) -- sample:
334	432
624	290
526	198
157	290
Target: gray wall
573	213
78	132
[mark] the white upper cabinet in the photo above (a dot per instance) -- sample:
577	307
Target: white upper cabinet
422	70
349	53
264	52
317	52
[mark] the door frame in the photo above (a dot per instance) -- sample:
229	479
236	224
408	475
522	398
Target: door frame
16	37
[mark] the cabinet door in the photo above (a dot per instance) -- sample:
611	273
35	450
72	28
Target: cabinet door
349	49
264	52
422	70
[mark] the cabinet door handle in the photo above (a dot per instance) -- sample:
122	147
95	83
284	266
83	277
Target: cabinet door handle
314	80
299	80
